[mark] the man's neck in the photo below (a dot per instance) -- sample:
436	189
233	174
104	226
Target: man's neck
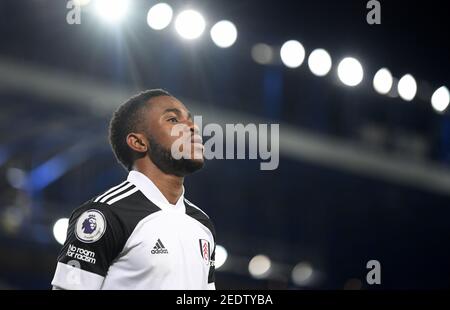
170	186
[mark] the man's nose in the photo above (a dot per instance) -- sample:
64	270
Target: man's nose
194	128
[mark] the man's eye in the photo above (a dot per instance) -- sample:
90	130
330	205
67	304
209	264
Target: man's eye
173	120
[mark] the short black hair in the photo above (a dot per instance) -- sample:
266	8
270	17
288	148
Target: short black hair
128	118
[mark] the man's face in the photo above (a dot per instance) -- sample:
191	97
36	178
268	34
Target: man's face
162	114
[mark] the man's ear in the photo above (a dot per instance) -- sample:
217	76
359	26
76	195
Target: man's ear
137	142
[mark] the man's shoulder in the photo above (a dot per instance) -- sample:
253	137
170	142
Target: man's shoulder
122	196
120	219
100	201
198	214
122	203
117	193
194	209
91	209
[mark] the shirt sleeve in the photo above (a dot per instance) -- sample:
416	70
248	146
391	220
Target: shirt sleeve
94	240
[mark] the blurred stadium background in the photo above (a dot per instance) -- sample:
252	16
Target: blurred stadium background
364	169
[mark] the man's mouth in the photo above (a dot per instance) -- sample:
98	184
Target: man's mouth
196	139
197	146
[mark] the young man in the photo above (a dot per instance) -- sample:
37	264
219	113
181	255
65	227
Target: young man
143	233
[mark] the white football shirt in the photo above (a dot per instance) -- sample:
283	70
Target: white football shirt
131	237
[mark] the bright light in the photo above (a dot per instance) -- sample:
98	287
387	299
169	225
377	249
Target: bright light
112	11
262	53
221	256
159	16
407	87
292	54
350	71
440	99
60	230
190	24
319	62
259	266
16	177
382	81
224	34
302	273
81	2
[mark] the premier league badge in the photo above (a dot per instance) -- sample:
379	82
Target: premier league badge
91	226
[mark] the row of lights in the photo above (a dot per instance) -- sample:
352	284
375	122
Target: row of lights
190	25
349	71
259	267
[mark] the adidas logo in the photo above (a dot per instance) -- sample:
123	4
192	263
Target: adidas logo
159	248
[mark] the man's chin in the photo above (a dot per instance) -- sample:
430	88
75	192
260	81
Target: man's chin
164	160
192	165
184	167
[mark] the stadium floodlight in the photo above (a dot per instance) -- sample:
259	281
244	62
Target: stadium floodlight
221	256
319	62
60	230
159	16
262	53
383	81
224	34
302	273
111	11
259	266
440	99
350	71
81	2
407	87
292	54
190	24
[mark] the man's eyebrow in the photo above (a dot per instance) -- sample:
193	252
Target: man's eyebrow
174	110
177	112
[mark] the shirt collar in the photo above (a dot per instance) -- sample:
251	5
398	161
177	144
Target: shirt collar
149	189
